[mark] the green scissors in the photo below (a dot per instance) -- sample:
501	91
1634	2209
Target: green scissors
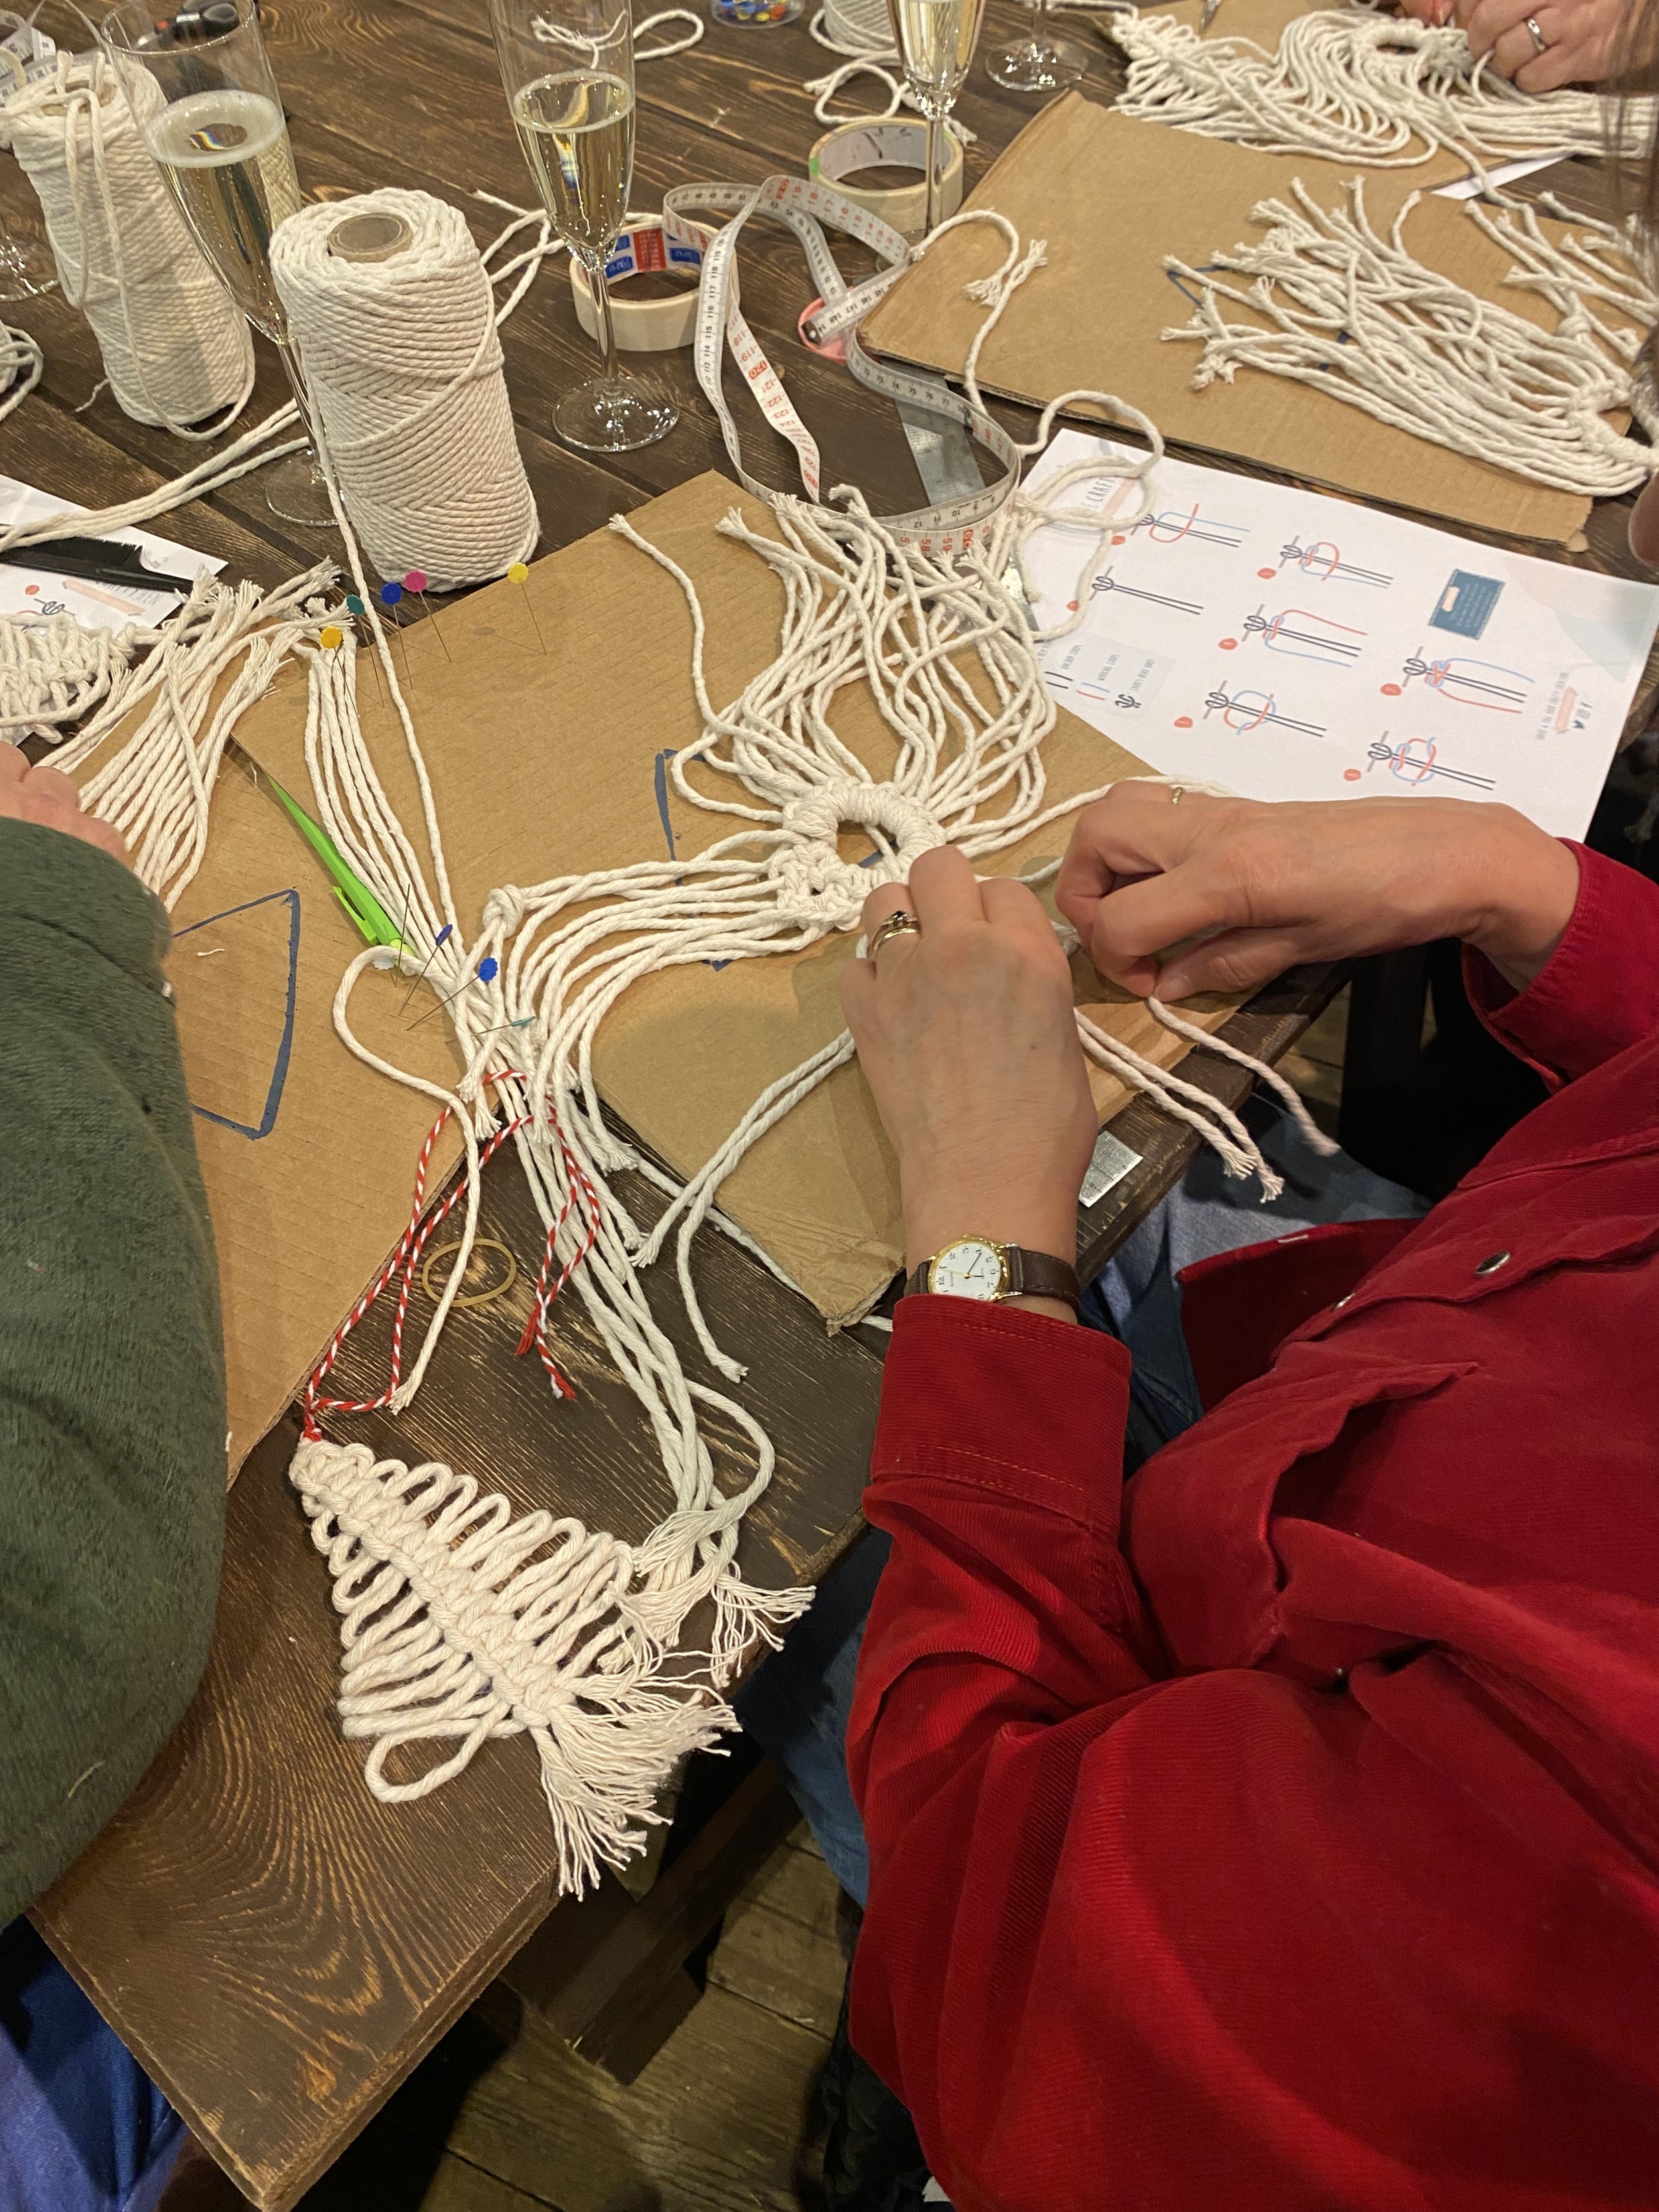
364	910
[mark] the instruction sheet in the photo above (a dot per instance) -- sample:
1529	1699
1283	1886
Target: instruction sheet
1290	645
43	589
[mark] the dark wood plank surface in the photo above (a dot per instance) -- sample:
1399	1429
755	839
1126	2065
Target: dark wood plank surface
278	1947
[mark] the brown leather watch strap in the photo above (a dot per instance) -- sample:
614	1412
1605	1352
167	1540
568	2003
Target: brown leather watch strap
1040	1275
1030	1275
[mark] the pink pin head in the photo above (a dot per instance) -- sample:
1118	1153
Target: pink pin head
415	580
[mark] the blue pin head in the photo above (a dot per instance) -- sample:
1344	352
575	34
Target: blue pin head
390	594
488	969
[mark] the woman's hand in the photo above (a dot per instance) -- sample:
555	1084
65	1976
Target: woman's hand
44	796
1262	887
1585	40
966	1034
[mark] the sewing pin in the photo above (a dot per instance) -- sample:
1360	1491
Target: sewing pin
389	595
523	1022
359	613
415	581
520	575
442	938
488	969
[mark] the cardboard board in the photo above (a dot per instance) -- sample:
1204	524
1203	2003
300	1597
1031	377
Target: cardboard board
545	711
1111	198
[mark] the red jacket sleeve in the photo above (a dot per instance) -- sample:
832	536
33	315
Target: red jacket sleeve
1229	1939
1599	992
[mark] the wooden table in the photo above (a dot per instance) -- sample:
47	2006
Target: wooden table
278	1948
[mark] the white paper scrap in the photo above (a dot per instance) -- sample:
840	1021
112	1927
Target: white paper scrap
1289	645
42	590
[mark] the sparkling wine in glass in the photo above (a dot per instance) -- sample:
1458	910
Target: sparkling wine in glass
567	66
205	100
1041	62
936	40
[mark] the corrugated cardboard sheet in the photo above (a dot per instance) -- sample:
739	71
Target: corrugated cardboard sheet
1112	198
545	711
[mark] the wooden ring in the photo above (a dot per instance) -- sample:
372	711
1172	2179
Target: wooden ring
472	1298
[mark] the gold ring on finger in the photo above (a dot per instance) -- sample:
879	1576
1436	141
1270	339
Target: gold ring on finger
900	923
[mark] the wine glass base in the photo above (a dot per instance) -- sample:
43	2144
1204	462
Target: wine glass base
295	492
615	414
25	272
1044	64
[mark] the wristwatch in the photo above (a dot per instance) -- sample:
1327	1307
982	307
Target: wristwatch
979	1268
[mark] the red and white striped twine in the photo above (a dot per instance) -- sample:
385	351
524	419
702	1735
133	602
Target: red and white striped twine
406	1260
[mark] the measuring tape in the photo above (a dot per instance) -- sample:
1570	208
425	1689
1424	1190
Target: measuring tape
805	207
645	326
843	152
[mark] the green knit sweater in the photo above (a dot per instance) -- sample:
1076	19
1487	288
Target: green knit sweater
112	1366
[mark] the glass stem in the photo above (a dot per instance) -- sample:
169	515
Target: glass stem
290	361
935	169
596	284
1040	28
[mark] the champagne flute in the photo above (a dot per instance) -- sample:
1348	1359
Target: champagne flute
567	66
1042	62
936	40
205	100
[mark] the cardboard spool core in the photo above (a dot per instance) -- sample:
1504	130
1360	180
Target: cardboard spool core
369	237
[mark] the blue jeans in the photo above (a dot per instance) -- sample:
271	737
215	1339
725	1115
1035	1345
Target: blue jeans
797	1705
82	2127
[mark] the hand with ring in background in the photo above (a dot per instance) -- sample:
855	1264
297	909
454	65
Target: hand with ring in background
962	1018
1542	45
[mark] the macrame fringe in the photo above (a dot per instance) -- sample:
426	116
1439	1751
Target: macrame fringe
1346	311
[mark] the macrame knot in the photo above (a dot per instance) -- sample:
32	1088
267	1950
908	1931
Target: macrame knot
504	911
815	885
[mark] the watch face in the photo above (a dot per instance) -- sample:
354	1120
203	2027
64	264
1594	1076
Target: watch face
969	1268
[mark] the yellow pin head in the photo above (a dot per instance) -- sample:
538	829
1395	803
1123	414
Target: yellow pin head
331	637
517	574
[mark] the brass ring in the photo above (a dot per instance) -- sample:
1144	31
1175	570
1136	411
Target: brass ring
1177	793
472	1298
1540	44
900	923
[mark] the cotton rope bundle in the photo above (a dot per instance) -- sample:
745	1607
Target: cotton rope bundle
403	367
460	1622
1351	86
20	364
175	348
1347	311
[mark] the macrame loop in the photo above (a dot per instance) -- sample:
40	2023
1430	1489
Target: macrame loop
815	885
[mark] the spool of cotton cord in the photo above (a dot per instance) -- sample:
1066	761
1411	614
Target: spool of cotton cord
175	347
403	367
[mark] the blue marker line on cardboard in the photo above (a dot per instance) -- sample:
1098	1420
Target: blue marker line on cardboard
279	1071
660	773
1204	268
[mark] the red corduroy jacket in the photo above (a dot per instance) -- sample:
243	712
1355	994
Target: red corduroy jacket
1281	1831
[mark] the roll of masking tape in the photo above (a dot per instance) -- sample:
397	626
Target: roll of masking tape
850	147
645	325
